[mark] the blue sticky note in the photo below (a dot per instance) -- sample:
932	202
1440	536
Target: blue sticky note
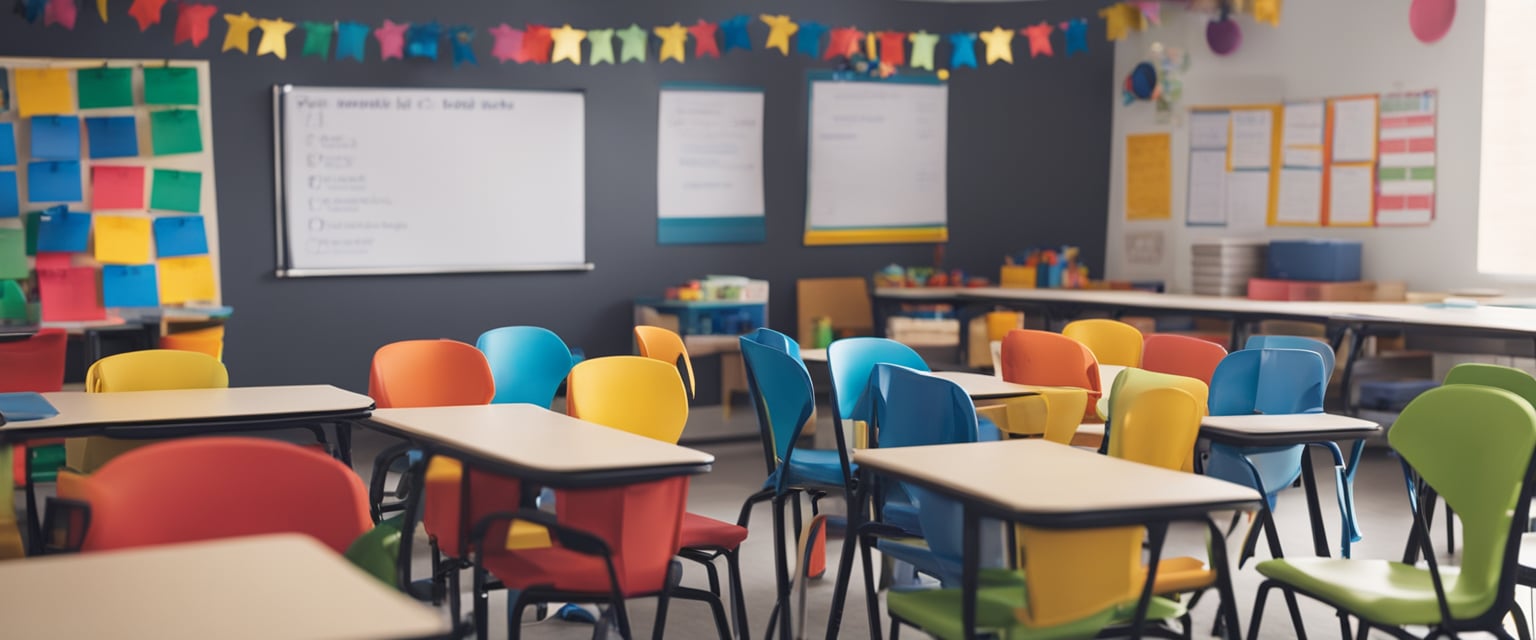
55	138
7	144
180	236
129	286
10	200
53	182
114	137
63	231
26	405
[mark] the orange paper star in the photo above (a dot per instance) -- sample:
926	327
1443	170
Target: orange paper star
844	42
147	12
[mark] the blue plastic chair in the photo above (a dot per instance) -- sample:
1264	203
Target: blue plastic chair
1322	349
851	360
778	341
528	363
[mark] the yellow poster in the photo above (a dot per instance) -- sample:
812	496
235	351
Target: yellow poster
1148	177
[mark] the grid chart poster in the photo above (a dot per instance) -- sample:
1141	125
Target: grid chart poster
1407	155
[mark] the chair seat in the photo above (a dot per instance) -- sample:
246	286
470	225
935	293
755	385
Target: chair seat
937	611
705	532
914	551
561	569
1390	593
1178	575
811	468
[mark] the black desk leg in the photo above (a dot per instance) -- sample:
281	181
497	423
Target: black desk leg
344	442
1356	345
1227	611
855	521
1314	510
970	573
1157	533
416	476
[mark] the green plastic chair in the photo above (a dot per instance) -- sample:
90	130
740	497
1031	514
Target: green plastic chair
1483	469
1487	375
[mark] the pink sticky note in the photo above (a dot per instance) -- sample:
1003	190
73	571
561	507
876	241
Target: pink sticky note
71	294
54	260
117	187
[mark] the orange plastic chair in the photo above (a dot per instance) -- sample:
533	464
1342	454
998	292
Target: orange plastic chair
1181	356
206	488
1050	359
1112	342
208	341
149	370
664	345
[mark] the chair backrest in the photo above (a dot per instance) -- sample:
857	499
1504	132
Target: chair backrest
783	396
1134	383
1158	427
850	362
845	301
641	523
1056	561
1473	445
155	370
778	341
35	364
665	345
13	301
1304	343
1275	381
429	373
528	364
1048	360
630	393
205	488
1181	355
208	341
1510	379
1111	341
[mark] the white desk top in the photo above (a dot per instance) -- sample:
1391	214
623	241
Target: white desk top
1297	423
78	408
982	386
1049	484
537	440
281	586
813	355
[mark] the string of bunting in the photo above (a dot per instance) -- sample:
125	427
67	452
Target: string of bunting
878	53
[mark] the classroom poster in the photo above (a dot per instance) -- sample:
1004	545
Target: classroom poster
1206	202
1300	200
709	166
1407	159
1351	162
1148	177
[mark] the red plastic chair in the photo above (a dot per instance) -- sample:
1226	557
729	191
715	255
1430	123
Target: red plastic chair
208	488
1181	356
35	364
1048	359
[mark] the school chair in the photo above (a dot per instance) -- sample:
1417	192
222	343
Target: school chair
1494	505
665	345
1055	414
151	370
1112	342
528	364
851	361
1181	356
13	301
1134	382
36	365
208	341
776	341
1510	379
1048	359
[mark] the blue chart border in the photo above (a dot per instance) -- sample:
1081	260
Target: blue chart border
727	230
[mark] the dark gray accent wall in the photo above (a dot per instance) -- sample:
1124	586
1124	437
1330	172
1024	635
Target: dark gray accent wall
1029	154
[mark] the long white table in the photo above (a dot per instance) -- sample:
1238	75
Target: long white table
279	586
984	387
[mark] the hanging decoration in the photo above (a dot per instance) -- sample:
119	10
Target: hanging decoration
238	35
1172	62
1140	83
1119	19
843	43
704	42
893	48
1430	20
421	40
673	39
391	37
507	43
734	33
567	43
31	10
101	9
1223	35
963	55
1040	39
317	39
274	37
635	40
999	43
351	40
923	44
461	40
192	22
60	12
1151	11
808	41
1076	33
537	41
1267	12
146	12
780	28
602	46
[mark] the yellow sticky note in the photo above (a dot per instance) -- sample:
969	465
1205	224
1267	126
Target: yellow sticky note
1148	177
122	240
44	92
188	279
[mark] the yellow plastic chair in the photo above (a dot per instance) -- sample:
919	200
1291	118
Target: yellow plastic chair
1111	341
1053	414
665	345
1131	384
208	341
632	396
152	370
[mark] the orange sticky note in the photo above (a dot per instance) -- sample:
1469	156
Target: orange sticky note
122	240
70	294
188	279
44	92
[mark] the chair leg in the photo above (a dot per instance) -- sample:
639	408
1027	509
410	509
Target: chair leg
895	629
799	519
439	586
872	597
1258	609
781	568
1522	628
714	577
1344	631
1364	632
738	599
716	607
1450	530
455	607
1295	610
482	604
621	616
674	575
515	606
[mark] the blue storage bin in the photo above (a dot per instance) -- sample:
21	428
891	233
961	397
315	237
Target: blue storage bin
1315	260
1392	395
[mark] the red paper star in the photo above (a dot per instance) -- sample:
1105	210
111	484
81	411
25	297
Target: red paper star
893	48
704	43
536	43
1039	39
508	45
147	12
60	12
192	23
844	43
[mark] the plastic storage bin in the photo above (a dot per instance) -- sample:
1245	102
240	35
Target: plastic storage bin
1392	395
1318	260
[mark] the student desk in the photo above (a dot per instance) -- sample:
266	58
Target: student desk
275	586
17	331
985	387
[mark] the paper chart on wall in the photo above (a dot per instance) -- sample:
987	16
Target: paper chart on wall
1408	158
1354	129
1300	201
709	179
1247	200
1209	129
1148	177
1253	131
1351	195
1302	137
1207	188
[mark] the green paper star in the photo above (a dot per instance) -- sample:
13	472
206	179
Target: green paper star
635	40
602	46
317	39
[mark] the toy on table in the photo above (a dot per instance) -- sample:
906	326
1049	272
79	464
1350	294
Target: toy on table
1045	269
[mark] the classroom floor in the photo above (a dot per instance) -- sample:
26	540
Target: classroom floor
1380	494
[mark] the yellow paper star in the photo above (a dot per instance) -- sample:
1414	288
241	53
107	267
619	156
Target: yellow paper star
239	35
780	28
1120	18
999	44
274	38
567	44
1267	11
673	39
101	9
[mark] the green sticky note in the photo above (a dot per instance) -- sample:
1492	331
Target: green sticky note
13	254
104	88
177	191
170	85
176	131
33	219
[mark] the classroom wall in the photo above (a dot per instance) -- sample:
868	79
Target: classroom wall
1323	48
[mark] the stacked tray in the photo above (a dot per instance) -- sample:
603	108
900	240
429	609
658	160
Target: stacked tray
1222	267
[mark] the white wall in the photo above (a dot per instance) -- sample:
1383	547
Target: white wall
1322	48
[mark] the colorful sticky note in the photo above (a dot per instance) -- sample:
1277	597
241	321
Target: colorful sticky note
104	87
170	85
117	188
5	91
114	137
180	236
122	240
63	231
177	191
55	138
54	260
187	279
10	205
71	294
53	181
44	92
176	131
7	142
30	223
13	254
129	286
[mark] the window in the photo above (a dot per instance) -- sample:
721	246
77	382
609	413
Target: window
1506	233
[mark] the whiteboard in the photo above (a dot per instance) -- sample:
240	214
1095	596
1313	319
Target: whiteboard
877	156
377	181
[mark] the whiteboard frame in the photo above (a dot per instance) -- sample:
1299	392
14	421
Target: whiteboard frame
284	258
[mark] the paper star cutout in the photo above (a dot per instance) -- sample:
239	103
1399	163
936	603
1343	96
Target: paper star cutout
101	9
317	39
192	23
843	43
964	43
923	44
274	37
704	43
421	40
1267	11
238	37
461	39
537	40
61	12
999	45
351	40
808	41
734	32
1152	11
602	46
508	44
1120	18
567	43
893	48
780	28
1040	39
635	40
147	12
391	37
672	40
1076	32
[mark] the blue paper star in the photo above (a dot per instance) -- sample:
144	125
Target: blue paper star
964	43
1077	35
734	33
808	39
421	40
462	39
351	40
32	10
